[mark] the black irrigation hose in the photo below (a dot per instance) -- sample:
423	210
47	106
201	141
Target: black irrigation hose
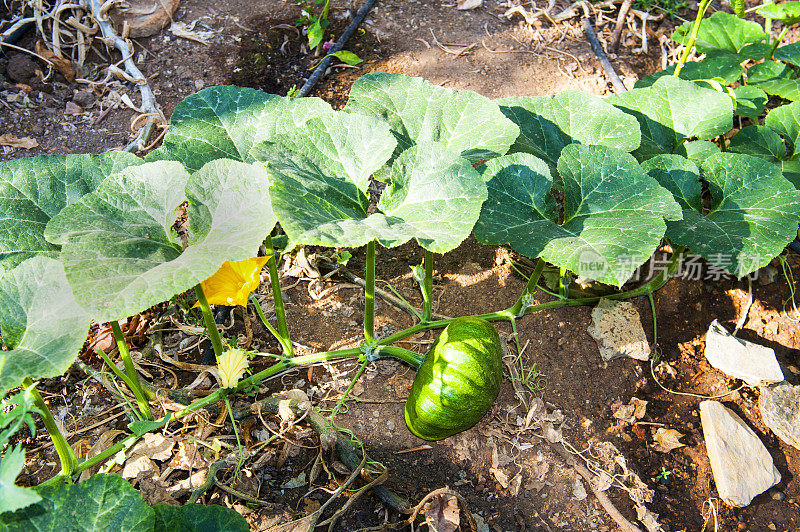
601	55
328	59
794	245
15	36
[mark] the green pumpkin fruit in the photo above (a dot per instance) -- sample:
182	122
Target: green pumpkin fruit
457	382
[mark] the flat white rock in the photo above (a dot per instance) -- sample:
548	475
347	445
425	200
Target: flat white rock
754	364
617	329
780	410
742	466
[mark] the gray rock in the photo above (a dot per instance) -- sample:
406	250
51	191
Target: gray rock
754	364
742	466
617	329
780	410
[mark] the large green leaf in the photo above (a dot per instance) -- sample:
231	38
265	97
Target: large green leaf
759	141
105	503
33	190
789	54
775	78
785	120
120	252
613	211
753	214
418	111
724	67
40	322
672	110
320	187
786	12
198	518
791	171
549	123
750	101
13	497
226	121
722	32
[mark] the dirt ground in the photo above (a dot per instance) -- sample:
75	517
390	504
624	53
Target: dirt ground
510	475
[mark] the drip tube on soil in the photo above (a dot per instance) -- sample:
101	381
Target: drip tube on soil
326	61
601	55
14	33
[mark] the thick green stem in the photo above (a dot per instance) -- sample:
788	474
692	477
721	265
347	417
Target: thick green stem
701	11
208	318
427	287
778	41
385	350
277	297
768	22
65	454
524	300
409	357
656	283
142	396
219	395
369	296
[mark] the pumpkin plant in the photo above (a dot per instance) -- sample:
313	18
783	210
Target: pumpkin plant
592	186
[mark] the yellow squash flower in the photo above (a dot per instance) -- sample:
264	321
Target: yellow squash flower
233	283
232	366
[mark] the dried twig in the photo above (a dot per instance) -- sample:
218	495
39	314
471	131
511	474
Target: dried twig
149	105
615	36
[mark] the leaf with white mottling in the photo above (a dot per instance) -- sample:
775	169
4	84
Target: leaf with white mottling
434	195
673	109
227	121
40	322
549	123
785	120
101	504
613	212
120	252
753	215
34	189
418	111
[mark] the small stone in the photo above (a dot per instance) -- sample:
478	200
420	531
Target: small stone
753	363
780	410
73	109
578	490
84	98
617	329
778	495
199	84
21	68
742	466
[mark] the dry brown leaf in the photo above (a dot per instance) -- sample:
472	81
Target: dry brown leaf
667	440
138	464
61	64
188	457
634	410
441	514
465	5
25	143
154	446
500	476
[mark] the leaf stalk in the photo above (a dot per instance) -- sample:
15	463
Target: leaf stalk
142	397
